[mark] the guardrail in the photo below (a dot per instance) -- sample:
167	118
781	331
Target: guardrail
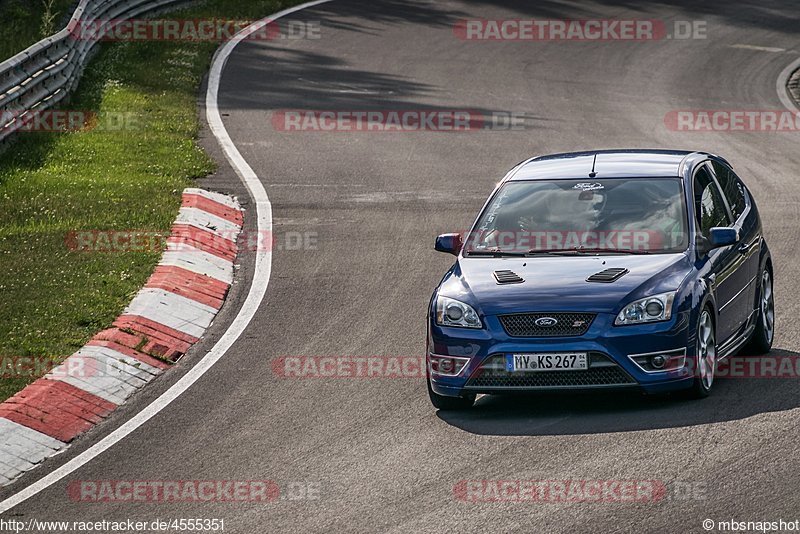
41	76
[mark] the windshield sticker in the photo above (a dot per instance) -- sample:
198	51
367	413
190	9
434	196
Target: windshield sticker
491	213
588	186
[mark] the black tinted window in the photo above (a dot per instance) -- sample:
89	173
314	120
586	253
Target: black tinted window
732	188
709	208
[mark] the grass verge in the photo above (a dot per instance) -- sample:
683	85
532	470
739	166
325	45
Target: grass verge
53	299
25	22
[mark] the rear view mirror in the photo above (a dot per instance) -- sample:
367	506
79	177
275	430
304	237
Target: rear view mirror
450	243
721	236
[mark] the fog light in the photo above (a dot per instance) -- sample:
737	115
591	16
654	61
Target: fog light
658	361
446	365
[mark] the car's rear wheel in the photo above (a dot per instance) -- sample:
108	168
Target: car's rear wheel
761	340
706	356
443	402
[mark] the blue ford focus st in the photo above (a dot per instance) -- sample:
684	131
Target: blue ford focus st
608	269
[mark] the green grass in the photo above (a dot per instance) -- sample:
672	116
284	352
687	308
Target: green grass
25	22
53	299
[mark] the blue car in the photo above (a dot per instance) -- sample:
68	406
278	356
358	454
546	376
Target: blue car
608	269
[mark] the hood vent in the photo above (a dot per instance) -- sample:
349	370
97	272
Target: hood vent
507	277
608	275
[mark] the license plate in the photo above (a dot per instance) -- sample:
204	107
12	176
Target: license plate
554	361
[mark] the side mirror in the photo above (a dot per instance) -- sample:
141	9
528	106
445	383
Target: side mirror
723	236
450	243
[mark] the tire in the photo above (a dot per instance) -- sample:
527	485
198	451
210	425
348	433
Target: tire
706	356
761	339
445	403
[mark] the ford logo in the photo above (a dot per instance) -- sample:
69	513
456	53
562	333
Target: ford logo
546	322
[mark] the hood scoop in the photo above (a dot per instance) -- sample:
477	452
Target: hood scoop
608	275
507	277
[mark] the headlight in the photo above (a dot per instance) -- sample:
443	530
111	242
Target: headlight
451	312
647	310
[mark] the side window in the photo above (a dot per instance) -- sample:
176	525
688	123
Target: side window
709	207
732	188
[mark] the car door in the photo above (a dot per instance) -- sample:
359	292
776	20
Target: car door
749	246
724	276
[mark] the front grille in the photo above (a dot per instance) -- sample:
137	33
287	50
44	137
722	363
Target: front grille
602	372
567	324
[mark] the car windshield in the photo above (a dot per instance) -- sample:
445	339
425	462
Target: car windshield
638	215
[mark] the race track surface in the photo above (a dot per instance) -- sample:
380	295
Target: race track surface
379	455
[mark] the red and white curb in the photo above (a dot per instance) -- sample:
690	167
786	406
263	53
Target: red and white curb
167	316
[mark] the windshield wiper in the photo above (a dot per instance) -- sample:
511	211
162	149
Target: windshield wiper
582	250
633	251
496	252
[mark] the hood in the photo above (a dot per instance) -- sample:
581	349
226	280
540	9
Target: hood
557	283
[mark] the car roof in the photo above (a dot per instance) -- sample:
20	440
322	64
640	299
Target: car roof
623	163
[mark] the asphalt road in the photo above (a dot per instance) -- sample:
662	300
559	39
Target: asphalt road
376	452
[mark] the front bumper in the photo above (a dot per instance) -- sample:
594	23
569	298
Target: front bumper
609	347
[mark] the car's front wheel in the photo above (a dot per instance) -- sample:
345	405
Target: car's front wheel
761	340
706	356
443	402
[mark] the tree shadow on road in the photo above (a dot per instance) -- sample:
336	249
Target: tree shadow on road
278	76
307	80
778	15
596	413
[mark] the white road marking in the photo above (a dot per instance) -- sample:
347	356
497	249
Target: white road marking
263	270
783	80
759	48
